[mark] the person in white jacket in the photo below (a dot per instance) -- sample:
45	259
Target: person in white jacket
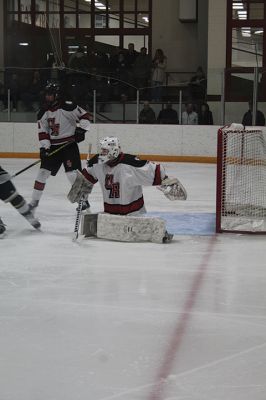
158	74
189	116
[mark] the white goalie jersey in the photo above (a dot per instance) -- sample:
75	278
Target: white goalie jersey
122	180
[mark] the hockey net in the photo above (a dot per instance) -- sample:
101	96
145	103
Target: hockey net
241	180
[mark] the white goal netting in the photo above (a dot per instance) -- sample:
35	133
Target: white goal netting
241	179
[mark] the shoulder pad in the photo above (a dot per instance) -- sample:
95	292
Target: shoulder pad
93	160
133	160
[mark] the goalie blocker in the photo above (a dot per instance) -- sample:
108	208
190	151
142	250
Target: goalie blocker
125	228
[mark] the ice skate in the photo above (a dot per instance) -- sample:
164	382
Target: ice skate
32	220
168	237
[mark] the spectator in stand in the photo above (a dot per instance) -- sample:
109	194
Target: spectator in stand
147	115
205	115
130	58
31	97
168	115
142	71
119	68
159	64
198	86
78	61
247	118
189	116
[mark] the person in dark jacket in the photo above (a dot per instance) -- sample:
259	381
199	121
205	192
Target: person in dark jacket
168	115
205	115
147	115
247	118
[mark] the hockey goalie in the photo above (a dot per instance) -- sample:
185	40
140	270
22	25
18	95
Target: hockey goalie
121	177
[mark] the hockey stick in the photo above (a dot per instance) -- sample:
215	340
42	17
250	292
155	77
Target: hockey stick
78	215
38	161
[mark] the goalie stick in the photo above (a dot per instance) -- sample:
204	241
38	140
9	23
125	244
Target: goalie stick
78	215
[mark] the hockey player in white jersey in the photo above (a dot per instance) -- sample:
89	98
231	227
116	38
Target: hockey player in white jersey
121	177
57	125
9	194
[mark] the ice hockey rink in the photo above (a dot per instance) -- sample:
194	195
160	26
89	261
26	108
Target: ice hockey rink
99	320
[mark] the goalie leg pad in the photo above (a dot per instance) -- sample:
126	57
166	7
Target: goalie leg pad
80	188
131	229
89	225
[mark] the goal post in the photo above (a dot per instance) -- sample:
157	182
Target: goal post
241	180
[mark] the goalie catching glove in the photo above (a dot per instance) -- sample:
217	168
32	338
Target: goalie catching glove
80	188
173	189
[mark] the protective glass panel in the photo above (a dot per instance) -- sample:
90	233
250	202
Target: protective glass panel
25	5
26	18
84	20
129	21
53	20
40	5
139	41
247	47
84	5
70	5
100	21
113	5
129	5
143	5
40	20
54	6
256	10
143	20
12	5
114	20
70	20
108	39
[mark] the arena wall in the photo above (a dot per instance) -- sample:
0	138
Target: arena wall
185	143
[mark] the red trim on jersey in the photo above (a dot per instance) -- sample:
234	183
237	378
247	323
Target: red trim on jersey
157	176
39	185
124	209
63	140
113	163
87	116
44	136
89	177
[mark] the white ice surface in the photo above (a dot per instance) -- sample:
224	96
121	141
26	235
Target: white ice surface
99	320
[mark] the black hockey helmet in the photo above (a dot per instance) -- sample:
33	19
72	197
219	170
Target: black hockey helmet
53	88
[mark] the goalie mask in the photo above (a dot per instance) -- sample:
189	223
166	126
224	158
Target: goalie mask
109	149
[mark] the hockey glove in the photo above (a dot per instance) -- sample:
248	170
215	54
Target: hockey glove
79	135
80	188
173	189
44	153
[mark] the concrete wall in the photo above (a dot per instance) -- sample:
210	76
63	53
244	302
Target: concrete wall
216	44
184	44
168	142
